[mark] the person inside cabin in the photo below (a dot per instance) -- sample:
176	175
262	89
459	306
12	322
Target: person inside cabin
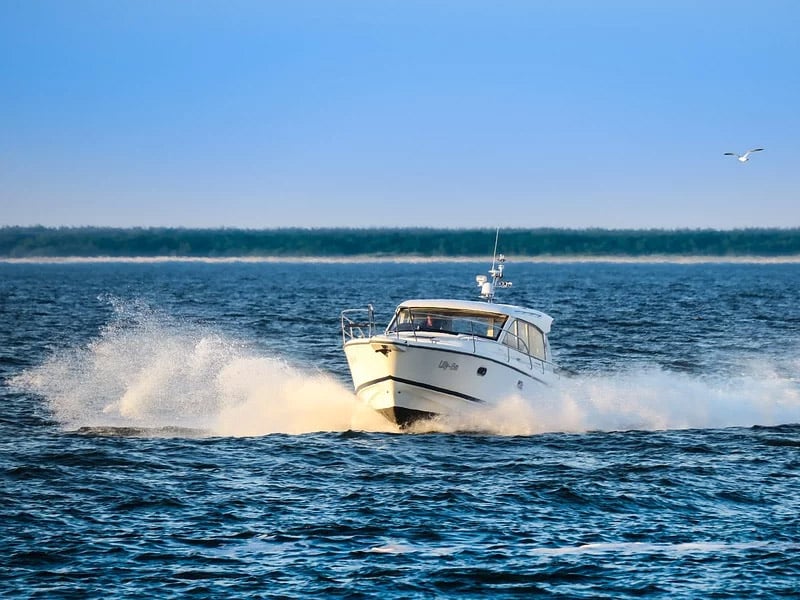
427	324
432	323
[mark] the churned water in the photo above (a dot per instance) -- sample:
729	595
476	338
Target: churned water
189	429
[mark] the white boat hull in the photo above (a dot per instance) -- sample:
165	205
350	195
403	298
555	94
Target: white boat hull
412	378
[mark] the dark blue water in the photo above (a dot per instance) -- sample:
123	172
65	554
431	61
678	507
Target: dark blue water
188	430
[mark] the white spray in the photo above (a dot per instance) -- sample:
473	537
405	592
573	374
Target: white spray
147	372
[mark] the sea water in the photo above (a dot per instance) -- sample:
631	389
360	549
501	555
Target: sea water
175	429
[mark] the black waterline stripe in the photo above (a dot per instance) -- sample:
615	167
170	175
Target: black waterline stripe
422	385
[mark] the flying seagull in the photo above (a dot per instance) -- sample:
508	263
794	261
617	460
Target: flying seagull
743	157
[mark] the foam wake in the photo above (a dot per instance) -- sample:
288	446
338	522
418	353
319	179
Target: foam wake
650	399
146	372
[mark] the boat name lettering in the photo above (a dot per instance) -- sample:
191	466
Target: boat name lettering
448	365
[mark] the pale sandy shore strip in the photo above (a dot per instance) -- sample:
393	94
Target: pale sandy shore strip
789	259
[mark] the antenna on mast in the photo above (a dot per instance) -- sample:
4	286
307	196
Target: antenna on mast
498	264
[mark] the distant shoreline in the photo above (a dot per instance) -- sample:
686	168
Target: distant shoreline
41	244
566	259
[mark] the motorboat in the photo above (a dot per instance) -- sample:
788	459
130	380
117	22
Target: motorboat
442	357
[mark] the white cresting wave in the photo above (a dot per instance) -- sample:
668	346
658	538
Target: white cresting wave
621	548
147	372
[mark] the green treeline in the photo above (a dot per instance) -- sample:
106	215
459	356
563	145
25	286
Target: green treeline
37	242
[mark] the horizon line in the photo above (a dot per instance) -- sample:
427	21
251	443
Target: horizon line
410	259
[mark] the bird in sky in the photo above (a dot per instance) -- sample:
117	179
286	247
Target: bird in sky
743	157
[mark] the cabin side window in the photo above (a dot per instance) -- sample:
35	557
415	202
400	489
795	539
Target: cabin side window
525	338
535	341
510	338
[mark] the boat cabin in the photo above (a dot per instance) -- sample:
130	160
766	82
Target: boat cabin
524	332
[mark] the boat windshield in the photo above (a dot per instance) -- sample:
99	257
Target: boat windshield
447	321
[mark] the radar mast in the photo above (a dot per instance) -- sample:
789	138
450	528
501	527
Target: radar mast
498	264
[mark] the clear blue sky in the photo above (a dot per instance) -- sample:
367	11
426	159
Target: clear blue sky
453	113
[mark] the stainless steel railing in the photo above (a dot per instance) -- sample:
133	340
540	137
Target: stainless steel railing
358	323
